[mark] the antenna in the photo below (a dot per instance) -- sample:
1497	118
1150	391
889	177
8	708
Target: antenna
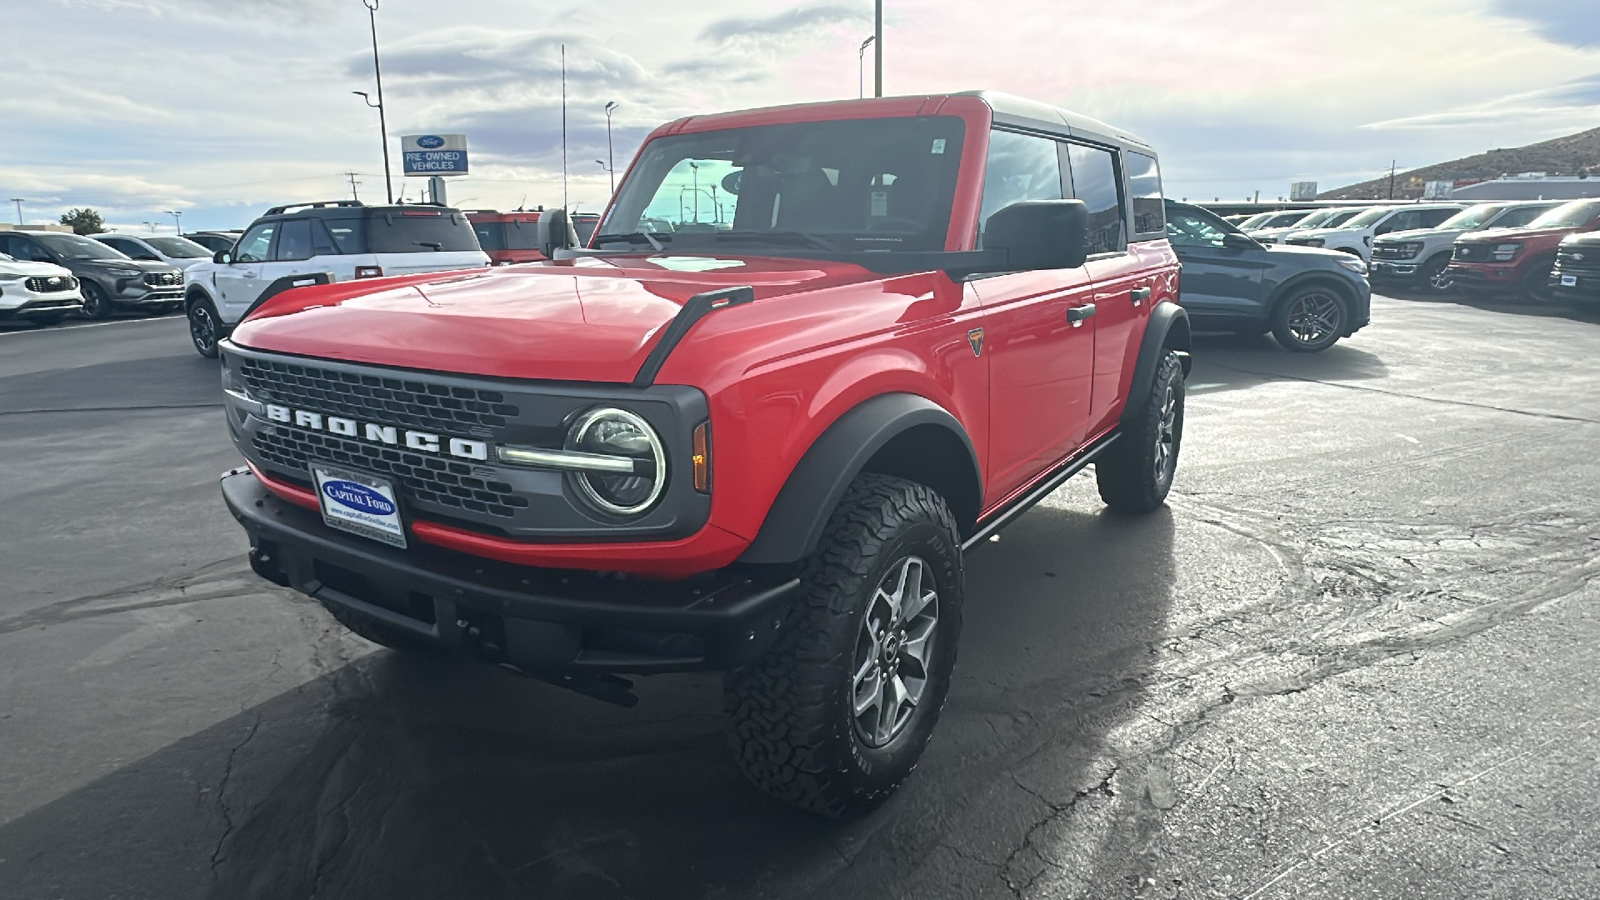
563	126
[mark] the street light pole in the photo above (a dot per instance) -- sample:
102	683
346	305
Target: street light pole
177	220
611	162
695	167
877	49
19	201
377	72
861	66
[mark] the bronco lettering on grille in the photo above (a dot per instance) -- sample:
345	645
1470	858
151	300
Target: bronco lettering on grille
378	434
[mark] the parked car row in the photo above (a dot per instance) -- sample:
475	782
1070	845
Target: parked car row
107	279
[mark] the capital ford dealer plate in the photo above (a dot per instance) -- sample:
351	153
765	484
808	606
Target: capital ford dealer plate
359	503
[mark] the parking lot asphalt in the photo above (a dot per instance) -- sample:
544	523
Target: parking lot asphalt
1354	657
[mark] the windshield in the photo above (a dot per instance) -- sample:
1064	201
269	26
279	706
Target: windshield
1570	215
1370	217
862	184
1471	217
1284	220
1314	220
1254	221
72	246
178	248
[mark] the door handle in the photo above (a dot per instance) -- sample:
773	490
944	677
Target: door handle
1077	314
1138	295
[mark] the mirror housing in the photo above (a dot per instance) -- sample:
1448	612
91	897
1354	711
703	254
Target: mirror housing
555	232
1040	234
1235	240
222	257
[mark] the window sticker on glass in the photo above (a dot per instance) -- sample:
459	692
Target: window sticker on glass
938	146
880	204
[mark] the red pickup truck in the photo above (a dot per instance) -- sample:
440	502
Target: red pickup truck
1518	260
760	443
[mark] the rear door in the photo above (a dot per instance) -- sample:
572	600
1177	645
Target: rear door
1038	330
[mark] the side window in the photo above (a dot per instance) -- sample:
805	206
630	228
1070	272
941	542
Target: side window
349	235
1185	229
294	240
27	250
1020	167
1095	182
1431	217
1144	193
256	244
321	241
1400	221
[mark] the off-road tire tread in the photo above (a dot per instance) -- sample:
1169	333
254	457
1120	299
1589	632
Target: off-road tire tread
781	733
1124	473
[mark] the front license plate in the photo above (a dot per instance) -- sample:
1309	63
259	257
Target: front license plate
359	503
1569	281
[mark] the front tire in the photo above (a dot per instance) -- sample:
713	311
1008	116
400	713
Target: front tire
96	305
1309	320
1535	287
835	716
204	327
1135	473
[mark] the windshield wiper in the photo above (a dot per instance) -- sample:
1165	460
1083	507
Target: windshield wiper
437	247
636	237
765	237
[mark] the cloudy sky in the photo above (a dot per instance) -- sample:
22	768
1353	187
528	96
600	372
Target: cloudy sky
219	108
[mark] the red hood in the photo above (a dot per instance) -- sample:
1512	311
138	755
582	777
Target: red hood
587	319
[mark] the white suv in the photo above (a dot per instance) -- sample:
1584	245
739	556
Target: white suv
178	252
318	243
42	293
1356	235
1420	255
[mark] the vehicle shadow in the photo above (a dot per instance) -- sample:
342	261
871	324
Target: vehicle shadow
1230	362
427	776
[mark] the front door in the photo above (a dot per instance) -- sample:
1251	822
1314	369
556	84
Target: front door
1218	281
242	280
1038	331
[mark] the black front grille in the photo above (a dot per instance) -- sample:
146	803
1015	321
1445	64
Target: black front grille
424	478
384	399
1579	262
50	284
163	279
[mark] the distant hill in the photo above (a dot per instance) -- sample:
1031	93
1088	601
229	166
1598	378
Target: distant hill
1574	154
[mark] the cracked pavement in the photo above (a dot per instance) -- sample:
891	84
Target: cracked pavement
1352	658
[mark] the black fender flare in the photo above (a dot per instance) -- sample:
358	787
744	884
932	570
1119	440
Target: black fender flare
286	283
1166	329
795	522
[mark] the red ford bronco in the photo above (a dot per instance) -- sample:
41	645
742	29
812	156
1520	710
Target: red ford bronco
756	438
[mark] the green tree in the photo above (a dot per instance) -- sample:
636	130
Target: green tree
84	221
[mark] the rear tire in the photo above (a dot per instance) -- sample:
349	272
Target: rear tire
205	328
835	716
96	305
1135	473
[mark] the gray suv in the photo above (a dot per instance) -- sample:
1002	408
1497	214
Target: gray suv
1306	297
108	278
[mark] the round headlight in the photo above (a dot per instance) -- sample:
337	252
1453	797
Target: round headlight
619	433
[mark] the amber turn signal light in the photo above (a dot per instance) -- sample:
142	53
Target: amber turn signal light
702	458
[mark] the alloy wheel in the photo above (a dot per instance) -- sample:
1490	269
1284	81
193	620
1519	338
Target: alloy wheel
1166	437
1314	317
202	328
893	652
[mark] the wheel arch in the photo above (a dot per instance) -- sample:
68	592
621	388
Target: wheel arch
1325	279
899	434
1167	329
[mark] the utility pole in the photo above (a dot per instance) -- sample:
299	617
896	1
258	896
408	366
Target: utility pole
383	125
18	201
877	49
353	183
1392	165
611	161
861	66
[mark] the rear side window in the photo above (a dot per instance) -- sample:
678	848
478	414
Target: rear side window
294	240
1095	182
419	231
349	235
1144	190
1021	167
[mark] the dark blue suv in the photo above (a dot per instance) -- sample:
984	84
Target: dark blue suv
1307	297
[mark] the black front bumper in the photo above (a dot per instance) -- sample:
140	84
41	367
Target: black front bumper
543	621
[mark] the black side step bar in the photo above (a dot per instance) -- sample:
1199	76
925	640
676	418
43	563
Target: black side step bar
693	311
1040	491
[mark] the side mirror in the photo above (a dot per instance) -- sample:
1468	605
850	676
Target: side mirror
222	257
1234	240
556	232
1040	234
147	257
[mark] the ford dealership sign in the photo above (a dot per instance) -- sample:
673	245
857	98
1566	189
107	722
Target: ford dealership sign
433	154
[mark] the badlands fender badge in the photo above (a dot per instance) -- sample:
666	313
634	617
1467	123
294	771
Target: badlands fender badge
975	340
